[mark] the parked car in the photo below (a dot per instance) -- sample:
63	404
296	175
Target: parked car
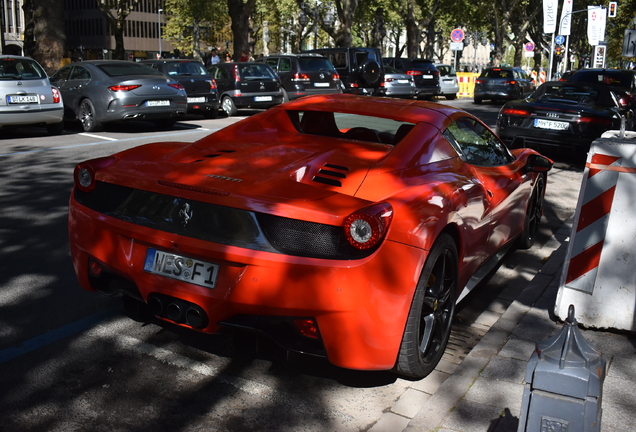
97	92
398	84
424	73
246	85
562	117
339	225
449	86
502	83
203	96
304	74
360	69
27	97
622	82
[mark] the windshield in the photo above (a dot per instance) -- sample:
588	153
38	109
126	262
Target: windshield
125	69
315	64
574	94
23	69
617	79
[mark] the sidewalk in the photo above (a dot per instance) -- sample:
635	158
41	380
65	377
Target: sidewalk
484	392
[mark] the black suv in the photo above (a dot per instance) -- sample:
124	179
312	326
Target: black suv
361	70
203	97
424	73
304	74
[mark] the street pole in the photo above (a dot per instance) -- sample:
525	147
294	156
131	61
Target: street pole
159	26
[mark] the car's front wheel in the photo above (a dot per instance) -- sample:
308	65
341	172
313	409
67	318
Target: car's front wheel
429	321
228	106
88	116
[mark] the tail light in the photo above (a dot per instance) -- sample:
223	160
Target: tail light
235	73
596	121
626	99
335	77
213	85
354	85
414	72
56	95
479	81
117	88
177	86
84	174
307	327
300	77
511	82
515	112
366	227
389	79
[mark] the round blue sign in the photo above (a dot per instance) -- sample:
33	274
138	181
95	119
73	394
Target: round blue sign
559	39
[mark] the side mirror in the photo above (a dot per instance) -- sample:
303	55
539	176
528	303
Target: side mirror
538	163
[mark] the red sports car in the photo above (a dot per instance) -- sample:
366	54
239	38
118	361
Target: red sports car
336	225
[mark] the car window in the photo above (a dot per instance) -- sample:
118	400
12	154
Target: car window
273	63
125	68
23	69
339	60
497	73
446	70
422	65
575	94
221	73
185	68
62	74
314	64
256	71
476	144
284	65
80	73
602	77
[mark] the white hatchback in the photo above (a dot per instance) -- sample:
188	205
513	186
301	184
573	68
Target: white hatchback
27	96
447	81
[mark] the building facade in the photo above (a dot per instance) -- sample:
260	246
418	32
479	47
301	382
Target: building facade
11	27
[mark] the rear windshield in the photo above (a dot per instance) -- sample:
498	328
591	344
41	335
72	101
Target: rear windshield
256	71
497	73
576	94
185	68
350	126
604	77
446	70
125	69
422	65
22	69
315	64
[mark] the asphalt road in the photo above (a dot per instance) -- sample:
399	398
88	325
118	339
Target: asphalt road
70	360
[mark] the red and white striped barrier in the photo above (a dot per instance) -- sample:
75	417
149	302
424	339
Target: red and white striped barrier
599	274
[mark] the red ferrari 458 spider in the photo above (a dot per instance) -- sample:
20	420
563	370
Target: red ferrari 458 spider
337	225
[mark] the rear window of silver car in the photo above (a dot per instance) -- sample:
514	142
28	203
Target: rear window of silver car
22	69
125	69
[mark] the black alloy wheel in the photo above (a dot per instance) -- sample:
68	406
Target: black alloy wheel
429	321
533	215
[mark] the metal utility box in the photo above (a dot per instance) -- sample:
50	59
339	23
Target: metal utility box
564	384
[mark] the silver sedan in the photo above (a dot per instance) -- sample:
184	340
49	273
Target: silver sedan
27	97
103	91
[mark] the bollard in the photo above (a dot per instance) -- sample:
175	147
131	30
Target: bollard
564	384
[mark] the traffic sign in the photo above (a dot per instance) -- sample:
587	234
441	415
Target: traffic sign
559	39
457	35
529	46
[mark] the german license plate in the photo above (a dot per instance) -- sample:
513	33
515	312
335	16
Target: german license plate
321	84
22	99
262	98
551	124
154	103
181	268
427	76
403	81
196	99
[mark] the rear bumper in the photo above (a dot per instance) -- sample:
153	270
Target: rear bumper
359	306
29	115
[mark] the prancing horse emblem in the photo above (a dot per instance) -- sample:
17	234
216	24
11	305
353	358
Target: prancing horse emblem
186	214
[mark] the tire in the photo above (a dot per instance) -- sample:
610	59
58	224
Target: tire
88	117
370	72
429	321
533	215
211	114
55	128
228	106
451	96
477	100
285	96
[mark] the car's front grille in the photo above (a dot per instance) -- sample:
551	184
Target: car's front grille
220	224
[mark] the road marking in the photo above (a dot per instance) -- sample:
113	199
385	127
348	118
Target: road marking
98	136
101	142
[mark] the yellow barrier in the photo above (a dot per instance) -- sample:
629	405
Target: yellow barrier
466	82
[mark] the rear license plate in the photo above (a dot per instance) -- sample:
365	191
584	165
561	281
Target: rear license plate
22	99
181	268
427	76
402	81
154	103
196	99
321	84
262	98
552	125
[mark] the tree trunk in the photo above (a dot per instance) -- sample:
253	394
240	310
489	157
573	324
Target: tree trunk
45	37
240	13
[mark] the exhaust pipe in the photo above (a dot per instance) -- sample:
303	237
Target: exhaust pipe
155	305
177	310
174	312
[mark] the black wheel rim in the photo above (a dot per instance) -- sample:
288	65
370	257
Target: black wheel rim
536	210
86	115
438	307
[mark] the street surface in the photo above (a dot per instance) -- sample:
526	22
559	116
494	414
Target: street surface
71	361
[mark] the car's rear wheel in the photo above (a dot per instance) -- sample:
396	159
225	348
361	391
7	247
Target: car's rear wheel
451	96
533	215
477	100
228	106
429	321
211	114
55	128
88	116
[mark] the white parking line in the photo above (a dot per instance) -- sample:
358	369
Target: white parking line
98	136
